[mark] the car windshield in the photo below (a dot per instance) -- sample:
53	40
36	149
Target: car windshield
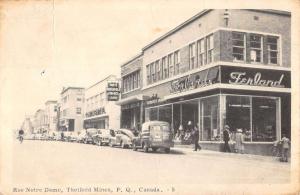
105	132
165	128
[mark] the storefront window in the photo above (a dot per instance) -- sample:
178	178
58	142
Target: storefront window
264	119
151	114
210	118
165	113
189	113
238	115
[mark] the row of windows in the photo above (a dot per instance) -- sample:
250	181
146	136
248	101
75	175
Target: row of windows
131	81
95	101
256	43
163	68
201	52
65	112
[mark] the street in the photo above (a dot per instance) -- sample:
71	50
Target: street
53	162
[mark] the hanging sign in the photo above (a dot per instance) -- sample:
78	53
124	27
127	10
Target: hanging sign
112	91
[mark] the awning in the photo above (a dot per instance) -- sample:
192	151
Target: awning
131	99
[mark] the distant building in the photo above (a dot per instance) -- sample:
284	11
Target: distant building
71	109
39	123
27	124
100	108
51	115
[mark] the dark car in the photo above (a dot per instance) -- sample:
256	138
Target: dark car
154	135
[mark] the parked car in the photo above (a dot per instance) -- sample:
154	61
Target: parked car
96	137
70	136
81	135
87	135
104	137
121	137
29	136
38	136
154	135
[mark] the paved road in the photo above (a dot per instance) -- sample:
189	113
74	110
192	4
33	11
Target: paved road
72	163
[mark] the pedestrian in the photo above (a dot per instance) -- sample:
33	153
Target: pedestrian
62	136
195	134
239	141
226	139
285	142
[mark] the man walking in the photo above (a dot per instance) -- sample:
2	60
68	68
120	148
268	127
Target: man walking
226	139
196	139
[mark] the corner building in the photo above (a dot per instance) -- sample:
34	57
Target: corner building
223	67
100	109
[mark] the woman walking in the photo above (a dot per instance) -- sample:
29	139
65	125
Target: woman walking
239	141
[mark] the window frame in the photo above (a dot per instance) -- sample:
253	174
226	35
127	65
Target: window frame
244	46
277	51
254	48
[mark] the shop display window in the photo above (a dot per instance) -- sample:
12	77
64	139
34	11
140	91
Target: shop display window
210	119
238	115
165	113
264	119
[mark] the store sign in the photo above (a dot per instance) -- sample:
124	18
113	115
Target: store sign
154	99
130	106
240	78
197	80
96	112
255	77
112	91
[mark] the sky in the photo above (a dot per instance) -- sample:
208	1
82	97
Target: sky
46	45
51	44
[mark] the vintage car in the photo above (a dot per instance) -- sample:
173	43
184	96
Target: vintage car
154	135
121	137
103	137
87	136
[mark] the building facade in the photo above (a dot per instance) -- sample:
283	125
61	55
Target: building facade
222	67
39	122
70	108
132	100
100	108
51	115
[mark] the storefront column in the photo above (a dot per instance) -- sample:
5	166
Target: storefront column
222	114
141	114
251	118
278	119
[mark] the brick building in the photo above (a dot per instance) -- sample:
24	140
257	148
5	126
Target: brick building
70	108
220	67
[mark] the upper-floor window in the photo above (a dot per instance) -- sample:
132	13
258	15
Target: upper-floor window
158	70
192	52
171	64
130	82
210	47
176	62
238	46
148	73
78	110
153	71
272	45
256	48
201	52
165	68
79	99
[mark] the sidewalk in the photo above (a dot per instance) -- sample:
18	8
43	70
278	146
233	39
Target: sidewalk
190	150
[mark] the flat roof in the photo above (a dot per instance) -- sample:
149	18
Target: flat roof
67	88
132	59
102	80
203	12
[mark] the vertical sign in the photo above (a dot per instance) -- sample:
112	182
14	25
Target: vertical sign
113	91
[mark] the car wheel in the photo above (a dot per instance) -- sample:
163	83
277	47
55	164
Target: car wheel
154	149
134	147
167	150
122	144
145	148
